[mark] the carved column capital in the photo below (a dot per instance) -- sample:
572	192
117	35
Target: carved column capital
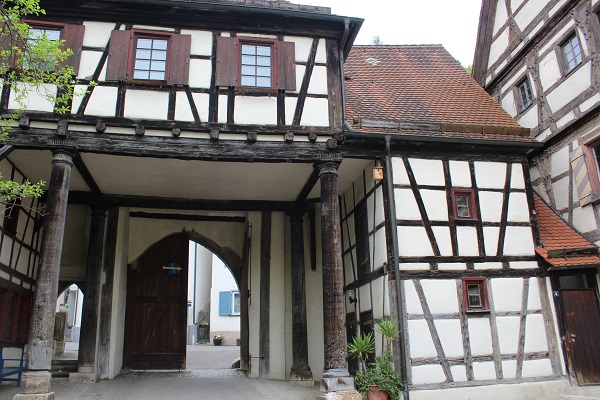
63	156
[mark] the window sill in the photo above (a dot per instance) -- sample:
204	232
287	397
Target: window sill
252	90
477	311
522	111
146	82
577	67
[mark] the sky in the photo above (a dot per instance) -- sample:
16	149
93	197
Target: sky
452	23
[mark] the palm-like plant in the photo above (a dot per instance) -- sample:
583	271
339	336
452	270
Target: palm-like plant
361	346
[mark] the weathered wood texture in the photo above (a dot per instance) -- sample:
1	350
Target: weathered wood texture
41	330
265	294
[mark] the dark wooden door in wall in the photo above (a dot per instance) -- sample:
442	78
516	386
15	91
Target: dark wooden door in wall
582	324
156	313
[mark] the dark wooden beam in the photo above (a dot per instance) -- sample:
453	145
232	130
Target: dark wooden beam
308	186
5	151
186	217
185	204
86	174
265	294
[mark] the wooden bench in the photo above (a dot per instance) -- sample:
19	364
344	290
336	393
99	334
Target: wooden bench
11	369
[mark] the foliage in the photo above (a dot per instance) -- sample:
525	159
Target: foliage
380	374
376	41
469	69
30	62
361	346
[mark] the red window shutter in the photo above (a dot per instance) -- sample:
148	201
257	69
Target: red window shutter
118	55
73	37
180	59
286	65
581	174
227	63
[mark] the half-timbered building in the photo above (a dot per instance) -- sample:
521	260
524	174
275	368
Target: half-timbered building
539	60
338	187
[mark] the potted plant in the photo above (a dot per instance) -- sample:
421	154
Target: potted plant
217	340
377	380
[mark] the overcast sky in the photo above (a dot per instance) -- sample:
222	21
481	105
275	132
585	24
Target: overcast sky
452	23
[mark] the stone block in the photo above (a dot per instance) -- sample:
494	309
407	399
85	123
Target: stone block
38	396
84	377
343	395
36	382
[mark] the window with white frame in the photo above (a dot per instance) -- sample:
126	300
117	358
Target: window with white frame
229	303
571	49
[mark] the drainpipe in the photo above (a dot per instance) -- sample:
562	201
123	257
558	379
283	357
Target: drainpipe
341	51
387	165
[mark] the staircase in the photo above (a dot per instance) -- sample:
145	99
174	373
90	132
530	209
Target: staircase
582	393
62	368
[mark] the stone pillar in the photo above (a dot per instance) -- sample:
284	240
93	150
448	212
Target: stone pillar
36	380
88	341
300	371
337	382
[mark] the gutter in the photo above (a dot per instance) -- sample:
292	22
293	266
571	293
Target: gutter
389	184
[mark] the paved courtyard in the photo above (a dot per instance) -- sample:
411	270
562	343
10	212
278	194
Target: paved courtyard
208	377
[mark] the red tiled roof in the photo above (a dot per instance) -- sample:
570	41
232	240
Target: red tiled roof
556	234
419	84
279	4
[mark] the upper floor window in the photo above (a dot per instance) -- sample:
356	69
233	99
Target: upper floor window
571	50
148	56
229	302
34	39
255	63
525	98
464	204
475	294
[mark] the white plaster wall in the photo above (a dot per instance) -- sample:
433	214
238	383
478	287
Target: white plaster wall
490	175
406	205
278	295
490	205
517	178
584	219
290	109
508	103
484	370
255	220
380	292
315	113
529	11
146	104
535	334
440	295
589	103
443	239
222	117
97	34
421	344
498	46
222	280
450	336
434	201
459	174
413	241
459	373
577	83
255	110
375	206
518	241
400	177
413	305
452	266
183	112
88	63
424	374
530	118
550	74
378	248
559	161
302	47
318	80
507	293
35	99
117	325
480	336
200	73
201	42
427	172
314	305
535	368
508	334
103	102
509	369
467	241
549	389
499	19
518	208
561	192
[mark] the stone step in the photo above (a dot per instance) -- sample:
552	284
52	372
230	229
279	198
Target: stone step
578	397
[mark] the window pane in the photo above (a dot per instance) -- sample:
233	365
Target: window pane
159	44
263	71
248	60
248	70
475	301
236	303
143	54
473	289
140	74
248	81
142	64
246	49
159	66
263	61
157	75
263	82
263	51
159	55
144	43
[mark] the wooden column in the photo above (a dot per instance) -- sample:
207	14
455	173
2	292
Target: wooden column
91	301
300	370
265	294
41	331
335	376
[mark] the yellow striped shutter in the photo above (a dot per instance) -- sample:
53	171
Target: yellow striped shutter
582	179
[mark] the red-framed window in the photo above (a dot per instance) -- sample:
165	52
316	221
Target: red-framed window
463	204
14	315
261	64
475	294
151	57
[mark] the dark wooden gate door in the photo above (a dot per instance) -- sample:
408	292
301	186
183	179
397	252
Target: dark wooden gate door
156	313
582	320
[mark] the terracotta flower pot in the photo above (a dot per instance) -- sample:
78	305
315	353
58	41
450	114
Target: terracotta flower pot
375	394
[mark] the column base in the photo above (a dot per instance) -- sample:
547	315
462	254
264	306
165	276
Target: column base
38	396
36	382
302	377
344	395
337	380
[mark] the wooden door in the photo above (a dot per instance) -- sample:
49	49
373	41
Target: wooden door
156	311
582	325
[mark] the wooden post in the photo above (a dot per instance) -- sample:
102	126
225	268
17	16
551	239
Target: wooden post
89	318
36	381
265	294
335	376
300	370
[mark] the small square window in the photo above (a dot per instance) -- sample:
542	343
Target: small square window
475	294
35	39
464	204
525	98
150	58
256	68
571	49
